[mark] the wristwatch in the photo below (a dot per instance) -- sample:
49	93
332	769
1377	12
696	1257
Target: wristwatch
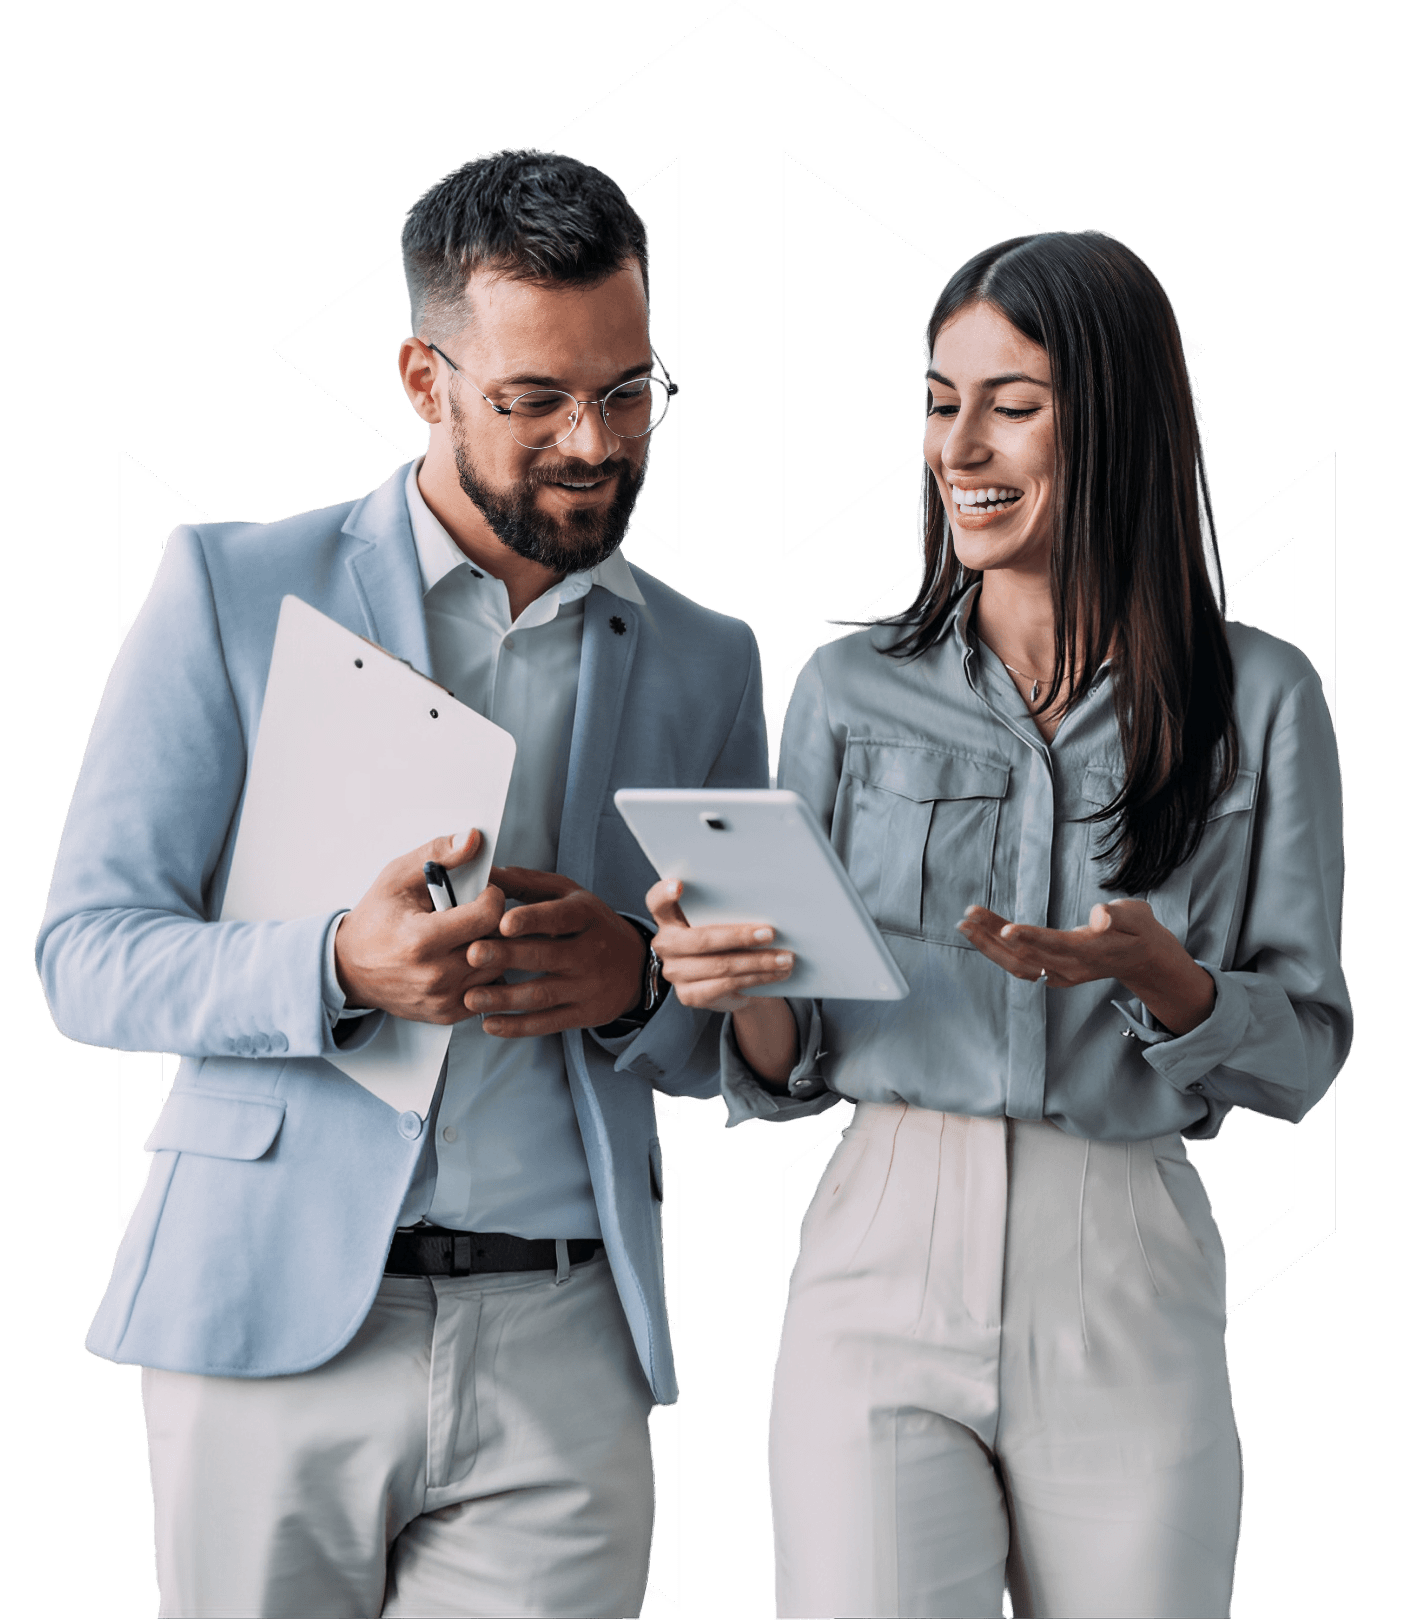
653	990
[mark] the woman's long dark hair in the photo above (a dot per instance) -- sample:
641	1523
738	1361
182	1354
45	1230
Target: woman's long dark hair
1133	531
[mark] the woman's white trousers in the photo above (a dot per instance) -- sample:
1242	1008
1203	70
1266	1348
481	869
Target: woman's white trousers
1003	1363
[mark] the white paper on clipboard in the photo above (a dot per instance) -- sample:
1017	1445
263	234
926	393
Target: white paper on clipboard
359	758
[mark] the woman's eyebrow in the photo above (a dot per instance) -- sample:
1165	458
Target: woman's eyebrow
932	375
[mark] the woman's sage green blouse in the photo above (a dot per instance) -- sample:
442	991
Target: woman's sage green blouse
938	791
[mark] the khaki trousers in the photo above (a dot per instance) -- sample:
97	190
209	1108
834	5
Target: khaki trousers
1003	1362
480	1448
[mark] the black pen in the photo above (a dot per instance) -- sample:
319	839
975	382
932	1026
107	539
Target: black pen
440	886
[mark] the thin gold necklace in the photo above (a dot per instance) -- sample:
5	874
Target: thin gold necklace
1034	689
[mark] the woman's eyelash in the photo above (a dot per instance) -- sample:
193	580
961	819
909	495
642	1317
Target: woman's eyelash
1014	413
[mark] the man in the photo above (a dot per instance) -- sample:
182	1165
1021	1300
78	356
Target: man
397	1366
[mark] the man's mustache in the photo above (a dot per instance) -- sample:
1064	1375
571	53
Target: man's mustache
578	472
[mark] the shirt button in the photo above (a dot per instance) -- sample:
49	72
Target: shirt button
507	644
450	1133
410	1126
1196	1086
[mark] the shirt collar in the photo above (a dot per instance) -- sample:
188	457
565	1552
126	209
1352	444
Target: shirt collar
438	555
960	624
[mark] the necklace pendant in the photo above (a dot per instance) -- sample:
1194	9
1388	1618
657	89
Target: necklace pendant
1034	692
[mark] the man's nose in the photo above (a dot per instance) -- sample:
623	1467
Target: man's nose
590	439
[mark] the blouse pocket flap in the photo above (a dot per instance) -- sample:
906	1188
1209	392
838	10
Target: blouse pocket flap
916	772
1241	795
217	1126
1100	786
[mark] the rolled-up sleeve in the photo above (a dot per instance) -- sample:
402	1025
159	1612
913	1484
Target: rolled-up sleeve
748	1097
1281	1025
810	763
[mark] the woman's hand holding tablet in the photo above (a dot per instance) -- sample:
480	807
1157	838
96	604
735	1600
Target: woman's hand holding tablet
744	870
713	967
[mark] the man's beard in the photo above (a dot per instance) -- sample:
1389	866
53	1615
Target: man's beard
569	544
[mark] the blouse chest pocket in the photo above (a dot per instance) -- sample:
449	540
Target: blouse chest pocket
915	827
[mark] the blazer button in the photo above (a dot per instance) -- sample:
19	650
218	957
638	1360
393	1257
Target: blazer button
410	1126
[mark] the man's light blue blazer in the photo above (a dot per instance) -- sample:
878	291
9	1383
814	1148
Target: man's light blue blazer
259	1241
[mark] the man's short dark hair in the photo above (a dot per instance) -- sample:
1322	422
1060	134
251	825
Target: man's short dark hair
532	216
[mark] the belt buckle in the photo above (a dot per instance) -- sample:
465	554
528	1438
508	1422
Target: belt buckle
462	1261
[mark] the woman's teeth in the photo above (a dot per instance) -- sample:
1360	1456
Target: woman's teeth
986	500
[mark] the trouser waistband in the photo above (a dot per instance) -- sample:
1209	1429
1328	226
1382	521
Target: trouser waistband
438	1251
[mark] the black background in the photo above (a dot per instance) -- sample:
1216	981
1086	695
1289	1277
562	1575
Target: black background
217	198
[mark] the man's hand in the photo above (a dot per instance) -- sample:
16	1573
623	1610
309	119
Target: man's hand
395	952
1122	940
591	961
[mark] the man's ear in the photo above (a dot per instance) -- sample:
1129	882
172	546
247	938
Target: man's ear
418	370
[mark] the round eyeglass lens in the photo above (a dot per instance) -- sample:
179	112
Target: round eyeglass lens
546	416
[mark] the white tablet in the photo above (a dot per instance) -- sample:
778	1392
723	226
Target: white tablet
759	855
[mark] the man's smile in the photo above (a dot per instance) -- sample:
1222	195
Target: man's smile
582	491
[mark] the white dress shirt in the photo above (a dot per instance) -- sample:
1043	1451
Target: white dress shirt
507	1153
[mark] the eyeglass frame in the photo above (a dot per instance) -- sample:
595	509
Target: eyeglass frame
506	410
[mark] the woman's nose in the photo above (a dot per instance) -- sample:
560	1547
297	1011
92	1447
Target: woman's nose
965	445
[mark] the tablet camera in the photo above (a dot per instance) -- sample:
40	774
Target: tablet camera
712	822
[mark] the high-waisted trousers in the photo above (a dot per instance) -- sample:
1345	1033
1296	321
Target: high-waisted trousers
1003	1364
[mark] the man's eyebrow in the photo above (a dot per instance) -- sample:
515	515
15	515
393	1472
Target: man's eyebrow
932	375
527	380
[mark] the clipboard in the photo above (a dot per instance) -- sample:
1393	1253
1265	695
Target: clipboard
760	855
360	758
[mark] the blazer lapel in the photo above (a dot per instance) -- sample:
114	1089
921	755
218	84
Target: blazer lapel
609	633
384	568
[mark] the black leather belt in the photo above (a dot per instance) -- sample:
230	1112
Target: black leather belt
437	1251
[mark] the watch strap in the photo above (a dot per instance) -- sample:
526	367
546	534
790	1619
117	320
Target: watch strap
653	989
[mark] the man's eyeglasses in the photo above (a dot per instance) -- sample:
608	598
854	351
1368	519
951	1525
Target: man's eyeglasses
543	417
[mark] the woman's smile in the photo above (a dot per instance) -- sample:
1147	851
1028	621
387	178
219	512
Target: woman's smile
979	505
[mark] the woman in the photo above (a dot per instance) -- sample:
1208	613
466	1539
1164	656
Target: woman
1100	829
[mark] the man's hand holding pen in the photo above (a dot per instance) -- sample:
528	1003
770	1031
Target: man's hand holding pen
393	951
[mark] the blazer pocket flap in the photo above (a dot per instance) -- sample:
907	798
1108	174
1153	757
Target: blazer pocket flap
217	1126
1241	795
921	773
